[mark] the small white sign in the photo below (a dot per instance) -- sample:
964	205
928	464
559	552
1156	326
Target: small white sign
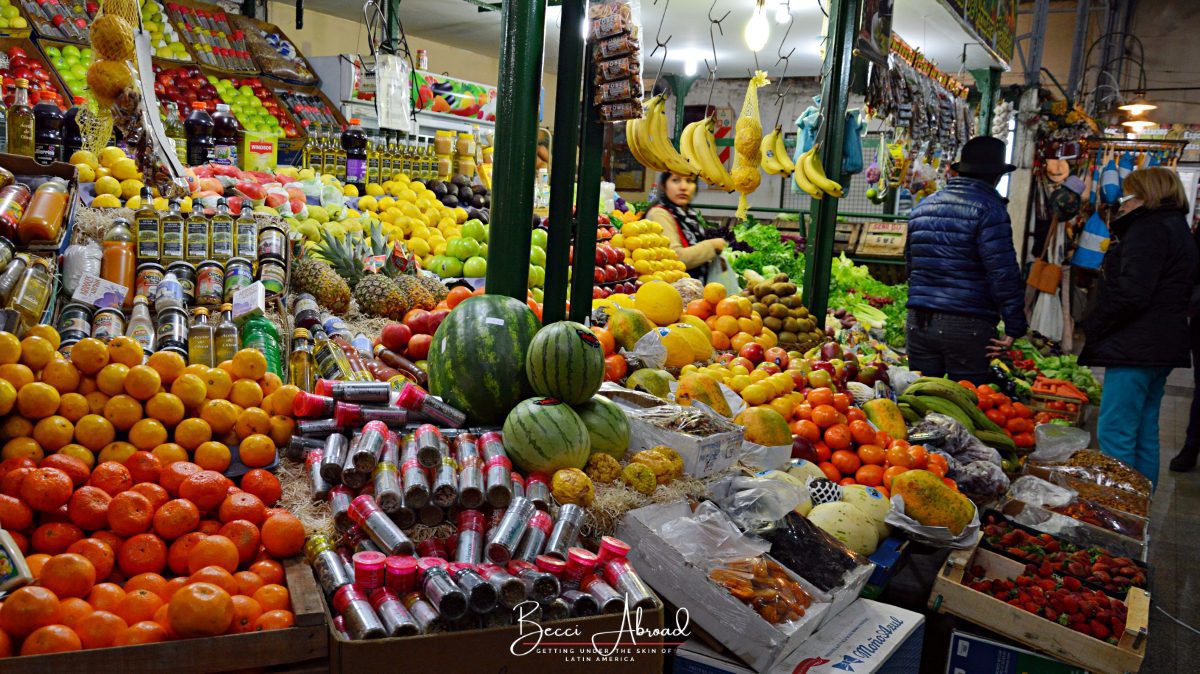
99	293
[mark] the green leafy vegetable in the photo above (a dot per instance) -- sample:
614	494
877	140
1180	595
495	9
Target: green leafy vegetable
769	254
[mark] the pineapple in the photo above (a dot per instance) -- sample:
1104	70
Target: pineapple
418	294
434	286
320	280
378	295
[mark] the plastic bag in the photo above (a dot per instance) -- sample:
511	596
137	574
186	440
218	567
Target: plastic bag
761	457
1056	444
981	481
936	536
720	270
648	352
79	260
804	548
709	537
1036	491
757	502
956	440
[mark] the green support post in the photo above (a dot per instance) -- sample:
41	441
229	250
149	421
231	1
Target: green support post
843	20
392	26
680	86
562	175
988	82
591	151
522	27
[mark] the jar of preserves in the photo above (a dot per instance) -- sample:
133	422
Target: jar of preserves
172	330
74	322
239	273
273	275
149	275
210	283
185	273
272	242
108	323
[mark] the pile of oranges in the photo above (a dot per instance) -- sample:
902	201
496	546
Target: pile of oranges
849	450
732	321
111	484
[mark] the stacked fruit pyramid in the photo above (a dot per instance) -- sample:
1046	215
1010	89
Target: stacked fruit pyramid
649	251
112	484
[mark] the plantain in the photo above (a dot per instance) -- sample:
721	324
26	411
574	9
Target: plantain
942	406
999	441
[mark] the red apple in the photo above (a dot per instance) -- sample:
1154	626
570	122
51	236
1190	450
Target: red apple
744	362
753	352
768	366
418	347
778	356
610	273
725	358
418	322
395	337
435	319
798	378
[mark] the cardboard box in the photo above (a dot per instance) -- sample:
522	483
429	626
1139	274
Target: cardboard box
950	595
867	638
702	457
971	653
709	605
888	559
258	151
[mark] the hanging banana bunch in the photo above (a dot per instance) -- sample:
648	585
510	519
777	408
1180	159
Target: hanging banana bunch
747	144
650	142
775	155
699	145
810	176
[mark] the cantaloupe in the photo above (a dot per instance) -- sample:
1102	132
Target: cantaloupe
847	523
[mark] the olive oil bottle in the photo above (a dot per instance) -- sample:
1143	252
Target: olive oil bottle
246	236
221	226
198	239
21	121
172	234
147	226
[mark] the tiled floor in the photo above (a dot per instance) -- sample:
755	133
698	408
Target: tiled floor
1175	545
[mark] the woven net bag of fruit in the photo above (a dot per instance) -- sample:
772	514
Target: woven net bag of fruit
747	137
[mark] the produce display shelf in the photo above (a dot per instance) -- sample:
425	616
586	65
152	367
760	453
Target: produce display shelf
245	23
39	26
33	51
187	37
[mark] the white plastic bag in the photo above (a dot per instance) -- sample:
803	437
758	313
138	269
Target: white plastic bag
78	260
1056	444
709	536
1047	316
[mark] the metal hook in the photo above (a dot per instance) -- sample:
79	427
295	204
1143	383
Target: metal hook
658	41
712	69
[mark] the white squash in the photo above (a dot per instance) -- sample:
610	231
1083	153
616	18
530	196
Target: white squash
847	523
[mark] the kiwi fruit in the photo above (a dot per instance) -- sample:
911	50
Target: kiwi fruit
778	311
773	324
760	308
791	325
787	337
769	299
780	278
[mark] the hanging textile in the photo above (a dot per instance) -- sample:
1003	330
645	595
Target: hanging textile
1126	164
852	150
1110	183
1093	243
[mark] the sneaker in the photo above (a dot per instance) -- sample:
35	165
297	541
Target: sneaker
1185	460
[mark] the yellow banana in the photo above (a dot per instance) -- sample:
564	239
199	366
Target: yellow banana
801	178
770	159
635	139
781	153
709	158
659	143
687	146
816	173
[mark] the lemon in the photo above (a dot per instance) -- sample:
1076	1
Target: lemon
185	206
106	201
350	190
108	185
374	190
84	157
110	155
161	204
124	169
131	188
306	174
85	173
368	203
133	203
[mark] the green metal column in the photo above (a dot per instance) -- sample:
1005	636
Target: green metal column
562	174
843	24
680	86
988	82
591	150
522	26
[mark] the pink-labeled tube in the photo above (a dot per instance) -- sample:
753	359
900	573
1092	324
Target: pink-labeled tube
620	575
413	397
310	406
359	618
428	442
470	537
396	619
611	548
369	571
580	563
339	505
382	530
551	565
353	414
498	477
354	391
401	574
537	490
535	537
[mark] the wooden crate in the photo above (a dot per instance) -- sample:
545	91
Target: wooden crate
950	595
1046	402
882	239
306	641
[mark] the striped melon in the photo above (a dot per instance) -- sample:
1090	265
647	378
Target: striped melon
544	435
565	361
477	358
607	425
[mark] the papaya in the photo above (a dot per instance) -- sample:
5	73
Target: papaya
887	417
764	426
655	382
699	387
930	502
627	326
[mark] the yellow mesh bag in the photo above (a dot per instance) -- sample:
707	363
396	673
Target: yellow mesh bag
111	36
747	138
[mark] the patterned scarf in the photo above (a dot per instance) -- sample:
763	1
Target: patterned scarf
686	218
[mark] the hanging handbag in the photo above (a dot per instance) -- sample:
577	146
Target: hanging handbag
1043	274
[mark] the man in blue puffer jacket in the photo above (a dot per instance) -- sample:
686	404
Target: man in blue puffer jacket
963	275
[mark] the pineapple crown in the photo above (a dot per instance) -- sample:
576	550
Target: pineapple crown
347	256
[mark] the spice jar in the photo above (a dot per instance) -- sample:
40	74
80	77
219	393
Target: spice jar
397	621
401	574
441	590
535	537
359	619
383	531
328	568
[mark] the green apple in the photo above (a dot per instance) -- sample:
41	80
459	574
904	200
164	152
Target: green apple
483	250
473	229
467	248
448	267
537	256
538	238
475	267
537	294
70	50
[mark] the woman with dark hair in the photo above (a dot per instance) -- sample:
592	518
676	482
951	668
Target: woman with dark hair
1139	329
681	224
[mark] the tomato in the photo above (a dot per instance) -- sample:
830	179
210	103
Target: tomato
1022	410
967	384
855	414
838	437
806	429
883	490
804	411
824	416
985	389
847	481
830	471
846	461
872	454
900	443
1023	440
883	439
607	341
950	483
1016	425
1007	410
919	456
997	417
615	367
823	451
862	432
936	469
890	473
841	401
985	403
939	461
870	475
899	456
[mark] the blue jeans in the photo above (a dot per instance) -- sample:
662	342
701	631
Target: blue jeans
1128	427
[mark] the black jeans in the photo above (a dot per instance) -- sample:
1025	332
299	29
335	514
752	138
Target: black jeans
942	344
1192	440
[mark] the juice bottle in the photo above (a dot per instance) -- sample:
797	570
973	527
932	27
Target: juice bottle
32	293
199	130
228	341
21	121
172	234
200	339
43	218
118	262
72	136
174	128
259	333
3	121
197	240
140	327
48	132
302	366
222	233
225	136
147	225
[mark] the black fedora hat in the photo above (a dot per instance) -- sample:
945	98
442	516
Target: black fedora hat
983	155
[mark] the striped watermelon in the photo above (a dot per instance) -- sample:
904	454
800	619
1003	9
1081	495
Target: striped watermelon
477	359
607	425
545	435
565	361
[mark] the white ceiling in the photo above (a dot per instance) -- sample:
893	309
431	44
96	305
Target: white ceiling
924	24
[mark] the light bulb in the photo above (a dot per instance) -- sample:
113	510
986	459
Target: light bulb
758	29
689	67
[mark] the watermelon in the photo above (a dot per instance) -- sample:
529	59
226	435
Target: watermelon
607	425
565	361
543	435
477	359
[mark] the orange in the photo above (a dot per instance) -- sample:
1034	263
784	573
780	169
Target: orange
180	549
27	609
156	494
16	426
891	473
249	364
217	576
283	535
257	451
99	629
172	587
55	537
73	406
726	325
873	455
215	550
200	609
824	416
11	484
79	452
46	332
144	632
270	383
273	597
130	513
209	527
142	553
241	505
213	455
148	581
8	396
94	432
139	604
227	365
36	352
263	484
190	389
88	507
190	433
727	307
61	374
246	392
17	374
111	378
51	639
207	489
36	562
46	489
282	399
245	614
143	466
198	369
118	451
125	350
220	415
68	575
838	437
37	400
248	582
147	434
739	340
15	514
218	383
27	447
10	348
106	596
176	518
112	477
269	570
845	461
174	474
86	385
245	537
169	365
142	382
71	609
282	429
123	411
165	407
274	620
253	420
169	453
95	401
870	475
99	553
714	293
